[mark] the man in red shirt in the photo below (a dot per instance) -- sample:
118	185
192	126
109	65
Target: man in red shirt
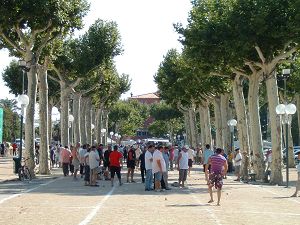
115	160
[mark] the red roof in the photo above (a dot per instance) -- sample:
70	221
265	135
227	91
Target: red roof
149	96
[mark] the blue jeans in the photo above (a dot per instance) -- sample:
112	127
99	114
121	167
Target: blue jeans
149	179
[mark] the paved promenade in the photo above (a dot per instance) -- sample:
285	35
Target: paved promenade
61	200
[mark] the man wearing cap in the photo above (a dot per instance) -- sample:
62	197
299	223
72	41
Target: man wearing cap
183	166
115	159
237	164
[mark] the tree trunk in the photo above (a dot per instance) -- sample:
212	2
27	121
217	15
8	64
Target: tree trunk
105	124
77	117
218	122
64	114
43	113
202	127
187	138
29	125
50	106
276	131
192	124
207	124
242	123
225	118
93	117
255	128
98	128
83	136
291	145
88	120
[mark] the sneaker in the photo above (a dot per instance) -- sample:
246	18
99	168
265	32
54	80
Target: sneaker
168	189
120	184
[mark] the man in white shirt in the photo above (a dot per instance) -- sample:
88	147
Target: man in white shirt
148	166
183	166
237	164
191	154
158	167
94	163
82	152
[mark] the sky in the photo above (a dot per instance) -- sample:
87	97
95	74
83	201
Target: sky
146	28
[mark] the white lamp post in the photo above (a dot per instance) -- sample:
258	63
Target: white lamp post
103	131
71	120
111	135
24	101
285	112
232	123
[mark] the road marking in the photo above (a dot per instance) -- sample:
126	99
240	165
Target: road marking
29	190
210	212
97	208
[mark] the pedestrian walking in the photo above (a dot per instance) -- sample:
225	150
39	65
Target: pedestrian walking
165	173
206	154
75	159
65	155
148	166
115	159
81	153
183	166
87	167
158	167
237	164
214	177
191	154
94	165
130	164
106	162
142	165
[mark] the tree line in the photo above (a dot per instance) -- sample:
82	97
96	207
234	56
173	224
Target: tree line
230	66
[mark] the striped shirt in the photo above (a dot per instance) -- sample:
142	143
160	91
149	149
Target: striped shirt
217	163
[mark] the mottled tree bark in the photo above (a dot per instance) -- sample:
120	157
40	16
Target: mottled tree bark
43	114
218	122
254	125
276	131
225	118
242	123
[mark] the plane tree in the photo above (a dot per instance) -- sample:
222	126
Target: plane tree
26	27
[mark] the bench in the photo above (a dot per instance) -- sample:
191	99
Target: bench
252	176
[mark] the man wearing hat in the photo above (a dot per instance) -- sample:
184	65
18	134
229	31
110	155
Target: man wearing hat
237	164
183	165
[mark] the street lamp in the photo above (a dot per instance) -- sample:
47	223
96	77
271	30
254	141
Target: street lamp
24	101
71	120
286	111
103	131
232	123
111	134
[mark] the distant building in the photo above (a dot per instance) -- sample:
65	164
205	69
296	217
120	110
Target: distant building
147	99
